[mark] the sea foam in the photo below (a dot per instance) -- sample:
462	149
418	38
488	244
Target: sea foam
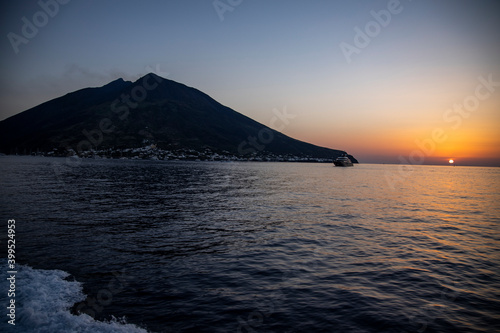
43	301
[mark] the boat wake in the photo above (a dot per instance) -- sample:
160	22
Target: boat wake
43	300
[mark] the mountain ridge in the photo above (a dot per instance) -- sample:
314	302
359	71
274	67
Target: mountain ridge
152	110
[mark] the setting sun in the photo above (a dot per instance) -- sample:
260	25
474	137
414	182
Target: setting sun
451	161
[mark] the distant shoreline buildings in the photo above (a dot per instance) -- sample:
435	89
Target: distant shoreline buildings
151	152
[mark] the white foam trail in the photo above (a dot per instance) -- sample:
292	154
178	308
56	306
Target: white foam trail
43	302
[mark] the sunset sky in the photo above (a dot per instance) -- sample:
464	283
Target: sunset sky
387	81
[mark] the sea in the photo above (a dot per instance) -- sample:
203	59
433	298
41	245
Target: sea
107	245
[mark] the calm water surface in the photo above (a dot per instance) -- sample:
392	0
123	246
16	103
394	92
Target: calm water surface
252	247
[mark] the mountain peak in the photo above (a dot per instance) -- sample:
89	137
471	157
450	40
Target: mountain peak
153	75
153	110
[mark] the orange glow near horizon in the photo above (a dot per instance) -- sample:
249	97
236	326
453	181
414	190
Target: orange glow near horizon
386	124
475	141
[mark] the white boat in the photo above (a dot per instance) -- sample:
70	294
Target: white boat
343	161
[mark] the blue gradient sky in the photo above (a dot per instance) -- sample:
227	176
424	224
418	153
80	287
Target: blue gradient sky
268	55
